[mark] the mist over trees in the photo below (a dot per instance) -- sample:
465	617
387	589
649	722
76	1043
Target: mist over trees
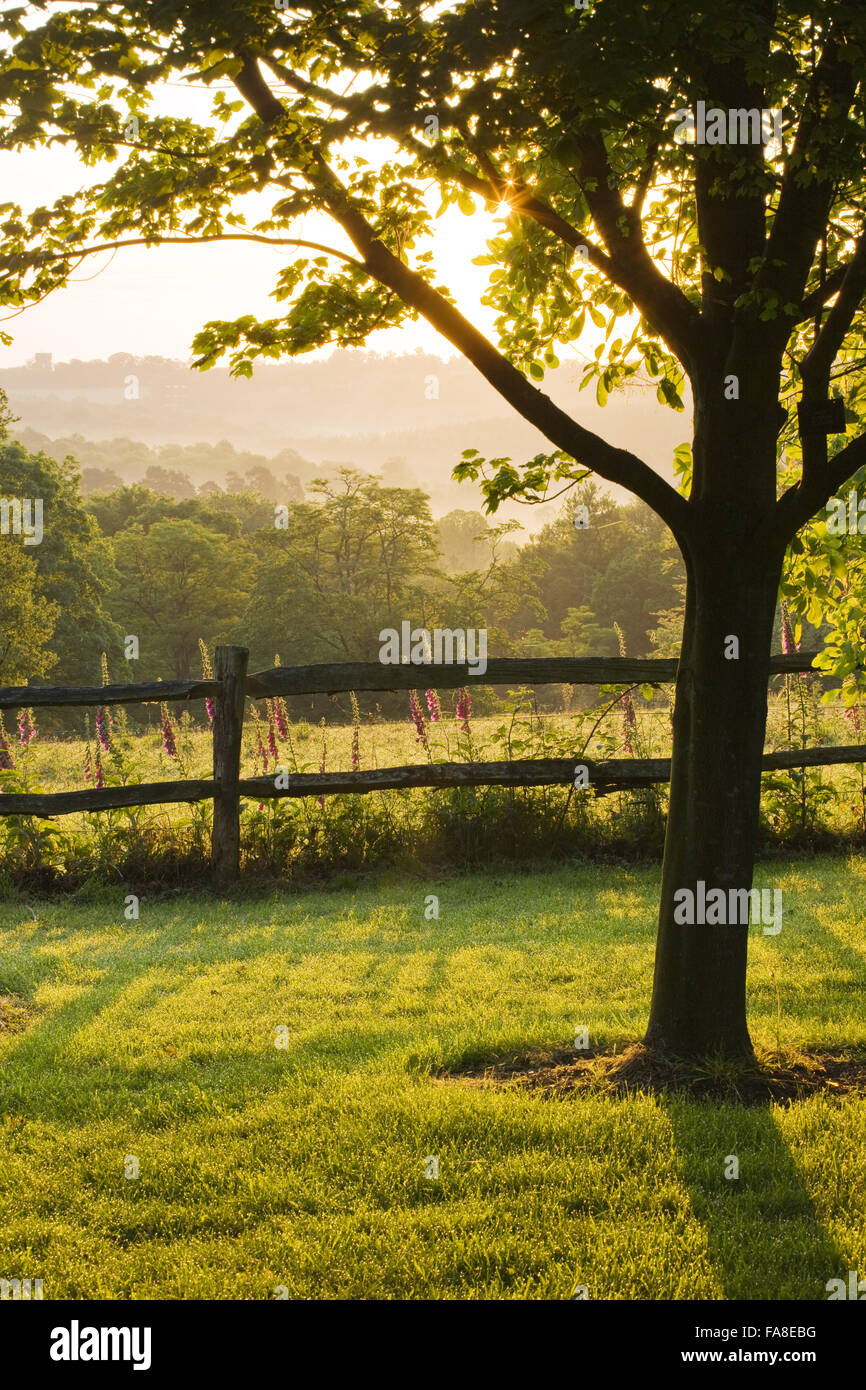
52	614
300	418
178	470
357	557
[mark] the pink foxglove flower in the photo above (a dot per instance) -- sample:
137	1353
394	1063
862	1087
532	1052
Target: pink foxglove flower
103	715
417	717
260	749
281	714
168	740
356	732
629	722
464	708
206	675
103	727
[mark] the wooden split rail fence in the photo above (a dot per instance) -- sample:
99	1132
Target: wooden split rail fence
231	685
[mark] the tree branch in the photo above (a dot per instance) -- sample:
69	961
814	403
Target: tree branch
796	506
312	89
815	367
819	296
632	269
662	304
804	204
46	257
818	479
520	199
629	266
644	178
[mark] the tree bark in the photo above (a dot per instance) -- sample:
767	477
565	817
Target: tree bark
699	988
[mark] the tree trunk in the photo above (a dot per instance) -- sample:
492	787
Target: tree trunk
699	988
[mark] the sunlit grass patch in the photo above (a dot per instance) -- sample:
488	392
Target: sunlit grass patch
303	1165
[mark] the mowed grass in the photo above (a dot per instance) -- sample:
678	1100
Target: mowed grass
303	1167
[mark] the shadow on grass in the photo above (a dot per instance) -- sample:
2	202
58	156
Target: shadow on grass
842	968
40	1078
763	1233
764	1238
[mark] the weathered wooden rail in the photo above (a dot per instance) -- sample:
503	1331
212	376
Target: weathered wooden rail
338	677
231	685
20	696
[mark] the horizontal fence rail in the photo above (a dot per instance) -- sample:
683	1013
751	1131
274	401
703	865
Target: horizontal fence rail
29	696
332	679
505	670
231	686
608	775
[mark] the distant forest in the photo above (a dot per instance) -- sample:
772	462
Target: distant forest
177	470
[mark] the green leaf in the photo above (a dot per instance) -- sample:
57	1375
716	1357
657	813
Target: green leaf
668	394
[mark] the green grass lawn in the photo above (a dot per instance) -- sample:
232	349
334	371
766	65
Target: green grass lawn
304	1166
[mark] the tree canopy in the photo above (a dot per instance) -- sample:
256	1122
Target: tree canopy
62	579
562	118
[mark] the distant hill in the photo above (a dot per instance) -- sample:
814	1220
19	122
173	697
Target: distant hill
409	415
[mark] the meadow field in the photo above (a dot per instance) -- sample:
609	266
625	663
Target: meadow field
279	1071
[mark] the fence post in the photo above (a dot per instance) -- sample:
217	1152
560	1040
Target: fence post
230	669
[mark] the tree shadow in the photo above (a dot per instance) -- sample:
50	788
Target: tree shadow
763	1232
37	1082
764	1238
